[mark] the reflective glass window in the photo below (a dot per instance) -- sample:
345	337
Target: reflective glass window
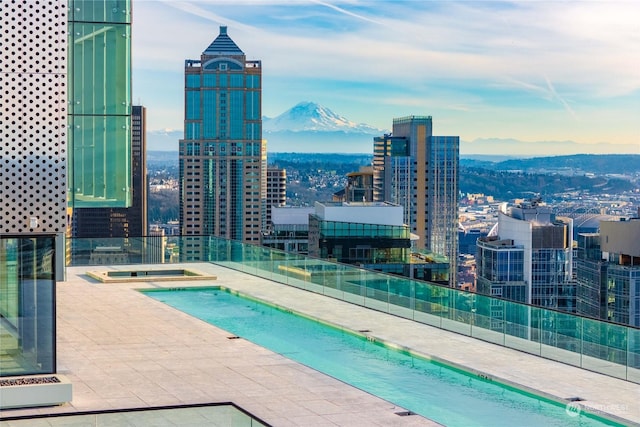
193	80
27	302
101	161
193	104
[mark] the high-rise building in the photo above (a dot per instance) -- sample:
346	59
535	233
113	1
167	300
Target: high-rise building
590	272
419	171
101	222
608	272
155	246
33	177
276	190
222	156
527	258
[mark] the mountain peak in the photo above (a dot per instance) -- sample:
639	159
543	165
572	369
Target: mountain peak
310	116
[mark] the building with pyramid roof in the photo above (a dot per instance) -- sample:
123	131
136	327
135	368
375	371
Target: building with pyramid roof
222	155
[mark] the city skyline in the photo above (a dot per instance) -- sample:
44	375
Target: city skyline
532	71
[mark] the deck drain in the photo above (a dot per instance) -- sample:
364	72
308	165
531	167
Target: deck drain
575	399
405	413
233	337
364	330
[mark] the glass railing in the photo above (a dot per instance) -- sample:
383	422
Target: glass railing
608	348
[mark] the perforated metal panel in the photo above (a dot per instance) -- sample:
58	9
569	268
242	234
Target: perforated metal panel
33	116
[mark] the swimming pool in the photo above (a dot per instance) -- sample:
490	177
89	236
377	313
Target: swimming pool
428	388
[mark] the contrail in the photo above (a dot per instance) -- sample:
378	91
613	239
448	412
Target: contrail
192	8
559	98
346	12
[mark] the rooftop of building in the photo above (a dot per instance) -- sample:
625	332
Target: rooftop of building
122	349
497	242
408	119
298	215
223	45
356	204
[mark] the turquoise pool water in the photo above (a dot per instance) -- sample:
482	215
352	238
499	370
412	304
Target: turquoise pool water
438	392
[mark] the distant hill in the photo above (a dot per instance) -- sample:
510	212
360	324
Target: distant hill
509	185
578	163
523	149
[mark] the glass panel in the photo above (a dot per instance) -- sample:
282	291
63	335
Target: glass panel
192	105
102	161
253	82
426	311
100	11
253	105
561	337
27	307
100	73
236	80
209	80
209	110
236	105
193	80
100	104
633	357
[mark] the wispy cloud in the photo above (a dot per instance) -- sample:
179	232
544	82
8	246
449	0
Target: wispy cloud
582	56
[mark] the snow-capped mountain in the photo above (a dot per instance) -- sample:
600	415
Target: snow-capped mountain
163	139
305	128
309	116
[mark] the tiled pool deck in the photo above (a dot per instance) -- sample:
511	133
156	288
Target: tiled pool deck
122	349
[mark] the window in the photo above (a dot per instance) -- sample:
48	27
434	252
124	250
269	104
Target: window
27	304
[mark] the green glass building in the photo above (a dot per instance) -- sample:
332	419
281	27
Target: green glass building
99	103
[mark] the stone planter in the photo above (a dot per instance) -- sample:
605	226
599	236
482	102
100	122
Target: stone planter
36	390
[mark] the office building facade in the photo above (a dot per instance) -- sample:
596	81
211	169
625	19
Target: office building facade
419	171
288	229
276	191
527	258
222	156
608	272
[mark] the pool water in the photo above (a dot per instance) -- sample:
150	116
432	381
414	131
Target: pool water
436	391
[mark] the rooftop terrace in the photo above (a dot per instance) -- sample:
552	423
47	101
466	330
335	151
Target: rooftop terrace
121	349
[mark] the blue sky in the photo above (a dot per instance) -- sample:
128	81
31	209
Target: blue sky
529	70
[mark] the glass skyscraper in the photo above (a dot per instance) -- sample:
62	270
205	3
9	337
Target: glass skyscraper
419	171
608	272
528	258
222	156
